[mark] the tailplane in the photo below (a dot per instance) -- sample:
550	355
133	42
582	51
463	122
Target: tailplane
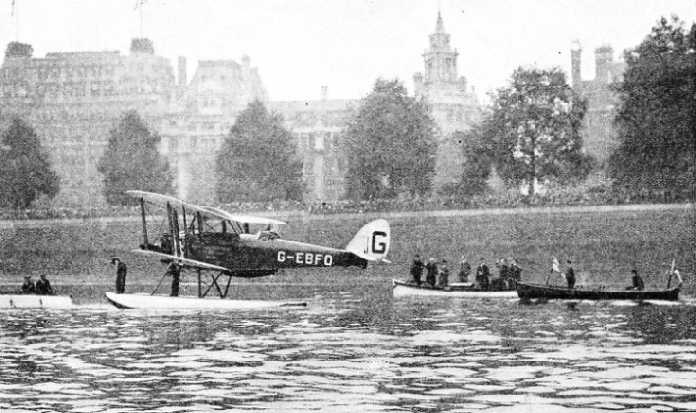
372	241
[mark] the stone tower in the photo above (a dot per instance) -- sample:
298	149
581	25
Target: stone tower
452	107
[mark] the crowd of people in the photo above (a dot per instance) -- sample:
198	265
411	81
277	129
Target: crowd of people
437	274
509	274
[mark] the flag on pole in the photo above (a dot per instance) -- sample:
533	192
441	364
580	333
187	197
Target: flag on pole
13	7
556	266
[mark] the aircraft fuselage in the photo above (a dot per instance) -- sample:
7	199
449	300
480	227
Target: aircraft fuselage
253	257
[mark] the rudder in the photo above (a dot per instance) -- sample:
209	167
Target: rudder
372	241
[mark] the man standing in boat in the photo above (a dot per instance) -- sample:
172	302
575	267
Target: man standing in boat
514	274
570	275
417	269
483	275
431	272
443	279
464	271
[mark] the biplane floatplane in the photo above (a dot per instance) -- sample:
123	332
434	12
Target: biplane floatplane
217	245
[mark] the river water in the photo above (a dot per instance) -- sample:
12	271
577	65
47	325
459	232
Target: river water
354	348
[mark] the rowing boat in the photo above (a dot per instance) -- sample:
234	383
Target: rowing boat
550	292
10	301
155	302
462	290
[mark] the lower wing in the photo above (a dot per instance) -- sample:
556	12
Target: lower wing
187	262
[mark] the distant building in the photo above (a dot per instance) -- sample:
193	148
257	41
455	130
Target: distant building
74	99
318	125
193	132
453	107
599	134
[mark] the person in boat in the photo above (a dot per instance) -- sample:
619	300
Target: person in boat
174	271
28	287
570	275
121	271
636	281
483	275
43	286
431	272
443	276
514	274
417	269
503	275
464	271
271	233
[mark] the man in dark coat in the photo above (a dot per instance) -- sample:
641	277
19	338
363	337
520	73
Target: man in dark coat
28	287
174	271
443	280
43	286
483	275
121	272
431	275
417	269
514	274
570	275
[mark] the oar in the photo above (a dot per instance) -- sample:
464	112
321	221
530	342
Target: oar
160	283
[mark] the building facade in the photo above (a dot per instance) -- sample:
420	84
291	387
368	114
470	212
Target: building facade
205	111
453	107
73	99
599	135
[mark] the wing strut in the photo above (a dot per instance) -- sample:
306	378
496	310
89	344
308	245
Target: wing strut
142	211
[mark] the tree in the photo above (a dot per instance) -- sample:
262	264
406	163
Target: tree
132	161
657	116
477	148
258	161
532	132
25	172
390	145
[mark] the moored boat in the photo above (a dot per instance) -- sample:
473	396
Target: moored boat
551	292
462	290
17	301
154	302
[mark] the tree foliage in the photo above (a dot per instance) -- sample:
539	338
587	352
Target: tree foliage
390	145
478	158
132	161
532	132
258	161
656	119
25	172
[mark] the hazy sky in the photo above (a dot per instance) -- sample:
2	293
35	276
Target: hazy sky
300	45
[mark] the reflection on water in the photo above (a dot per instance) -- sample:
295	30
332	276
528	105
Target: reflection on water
354	351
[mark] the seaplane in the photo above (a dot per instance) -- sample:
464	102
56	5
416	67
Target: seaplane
217	245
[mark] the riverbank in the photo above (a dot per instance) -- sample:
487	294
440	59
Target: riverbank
604	243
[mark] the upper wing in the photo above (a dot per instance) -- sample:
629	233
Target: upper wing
206	210
244	219
185	261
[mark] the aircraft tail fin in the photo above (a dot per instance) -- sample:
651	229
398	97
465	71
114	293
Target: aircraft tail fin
372	241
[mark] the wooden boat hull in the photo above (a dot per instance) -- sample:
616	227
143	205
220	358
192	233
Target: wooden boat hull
155	302
536	291
401	288
11	301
